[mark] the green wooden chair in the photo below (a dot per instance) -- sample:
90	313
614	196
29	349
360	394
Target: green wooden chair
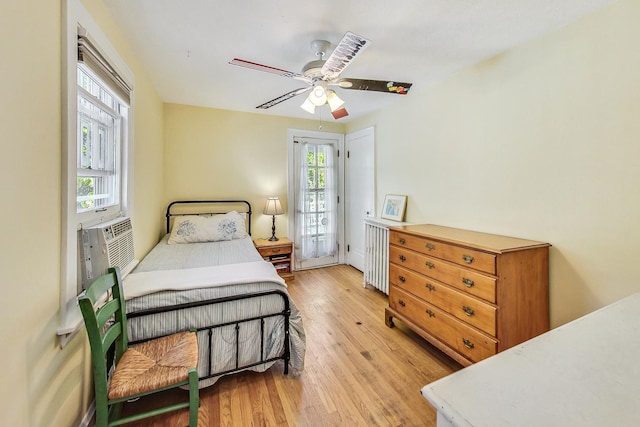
121	372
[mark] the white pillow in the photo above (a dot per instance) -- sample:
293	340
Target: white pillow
196	228
239	220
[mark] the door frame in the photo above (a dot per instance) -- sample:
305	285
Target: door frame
369	134
292	134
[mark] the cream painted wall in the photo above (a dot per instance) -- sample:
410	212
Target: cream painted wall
42	384
221	154
542	142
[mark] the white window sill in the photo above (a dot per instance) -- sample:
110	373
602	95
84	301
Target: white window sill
71	320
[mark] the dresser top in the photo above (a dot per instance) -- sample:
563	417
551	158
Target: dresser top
490	242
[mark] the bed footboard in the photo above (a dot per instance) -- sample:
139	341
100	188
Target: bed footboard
285	313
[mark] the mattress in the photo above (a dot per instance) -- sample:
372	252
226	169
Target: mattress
226	257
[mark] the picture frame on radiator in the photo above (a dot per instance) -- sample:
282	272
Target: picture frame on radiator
394	207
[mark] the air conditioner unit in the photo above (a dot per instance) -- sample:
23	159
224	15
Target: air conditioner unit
105	245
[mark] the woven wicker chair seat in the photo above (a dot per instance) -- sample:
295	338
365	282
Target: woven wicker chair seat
154	364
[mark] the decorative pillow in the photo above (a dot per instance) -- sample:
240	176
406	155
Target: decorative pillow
196	228
239	220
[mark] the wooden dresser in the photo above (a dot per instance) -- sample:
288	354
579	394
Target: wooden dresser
470	294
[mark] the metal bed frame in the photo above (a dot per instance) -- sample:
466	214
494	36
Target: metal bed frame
177	203
285	312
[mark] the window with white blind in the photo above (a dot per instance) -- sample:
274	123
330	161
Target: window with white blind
102	120
97	148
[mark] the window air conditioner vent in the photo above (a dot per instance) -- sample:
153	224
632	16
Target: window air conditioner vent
121	227
107	245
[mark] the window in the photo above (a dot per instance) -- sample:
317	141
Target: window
100	119
97	145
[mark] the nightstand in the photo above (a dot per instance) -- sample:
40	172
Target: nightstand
278	253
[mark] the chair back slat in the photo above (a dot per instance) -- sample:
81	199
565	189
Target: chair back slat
110	336
99	287
105	313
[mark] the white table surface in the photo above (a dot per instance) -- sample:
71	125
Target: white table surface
583	373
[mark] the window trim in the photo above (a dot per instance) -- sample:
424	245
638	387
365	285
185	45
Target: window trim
74	15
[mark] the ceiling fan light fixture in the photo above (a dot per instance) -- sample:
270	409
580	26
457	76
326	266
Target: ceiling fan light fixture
308	106
334	101
318	96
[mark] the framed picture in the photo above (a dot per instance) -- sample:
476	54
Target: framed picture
393	207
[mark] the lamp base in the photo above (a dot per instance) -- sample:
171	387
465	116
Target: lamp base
273	237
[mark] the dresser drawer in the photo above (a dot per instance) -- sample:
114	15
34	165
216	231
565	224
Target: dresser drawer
459	304
471	258
465	340
460	278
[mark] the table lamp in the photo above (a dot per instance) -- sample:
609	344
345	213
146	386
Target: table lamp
273	208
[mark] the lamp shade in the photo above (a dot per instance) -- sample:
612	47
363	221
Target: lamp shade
334	101
273	207
308	106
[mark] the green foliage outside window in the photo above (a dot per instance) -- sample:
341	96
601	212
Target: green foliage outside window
316	171
85	187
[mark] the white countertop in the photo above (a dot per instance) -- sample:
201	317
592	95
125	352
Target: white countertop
583	373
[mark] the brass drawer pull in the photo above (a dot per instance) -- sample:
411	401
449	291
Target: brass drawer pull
430	246
402	279
402	241
467	258
468	310
402	303
467	343
430	287
430	265
430	313
403	258
467	282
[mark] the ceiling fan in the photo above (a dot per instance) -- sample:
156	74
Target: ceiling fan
322	74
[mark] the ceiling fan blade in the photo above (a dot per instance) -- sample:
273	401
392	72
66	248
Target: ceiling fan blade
284	97
340	113
267	69
374	85
349	47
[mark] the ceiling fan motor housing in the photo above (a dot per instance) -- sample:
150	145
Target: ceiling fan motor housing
312	69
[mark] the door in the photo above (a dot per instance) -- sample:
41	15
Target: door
315	189
359	192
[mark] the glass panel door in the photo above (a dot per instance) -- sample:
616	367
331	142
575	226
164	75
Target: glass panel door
316	195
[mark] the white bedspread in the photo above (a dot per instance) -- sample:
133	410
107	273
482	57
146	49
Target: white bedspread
172	275
147	282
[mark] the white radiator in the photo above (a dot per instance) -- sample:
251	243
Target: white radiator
376	255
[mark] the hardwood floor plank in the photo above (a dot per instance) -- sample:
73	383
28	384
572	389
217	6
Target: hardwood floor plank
358	372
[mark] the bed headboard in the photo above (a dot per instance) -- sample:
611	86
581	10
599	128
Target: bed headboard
207	207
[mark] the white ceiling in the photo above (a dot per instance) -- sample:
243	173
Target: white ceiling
186	45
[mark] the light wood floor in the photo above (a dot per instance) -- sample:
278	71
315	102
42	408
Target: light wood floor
358	372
